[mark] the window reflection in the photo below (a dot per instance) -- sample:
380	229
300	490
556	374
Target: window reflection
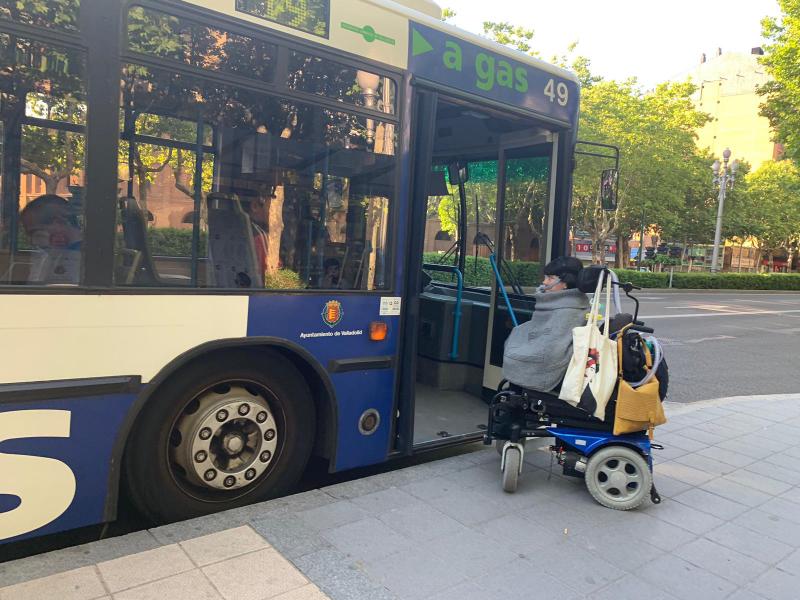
273	193
43	111
340	82
62	14
175	38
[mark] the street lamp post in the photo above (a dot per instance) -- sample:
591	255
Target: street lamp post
724	179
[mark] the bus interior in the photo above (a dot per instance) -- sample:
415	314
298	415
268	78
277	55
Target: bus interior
489	188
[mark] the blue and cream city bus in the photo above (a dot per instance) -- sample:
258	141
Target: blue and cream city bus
225	240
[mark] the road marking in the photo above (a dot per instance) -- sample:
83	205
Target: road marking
721	314
710	339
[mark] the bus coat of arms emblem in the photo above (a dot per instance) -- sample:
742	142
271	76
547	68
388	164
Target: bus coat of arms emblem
332	313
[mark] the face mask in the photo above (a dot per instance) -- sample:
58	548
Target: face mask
547	287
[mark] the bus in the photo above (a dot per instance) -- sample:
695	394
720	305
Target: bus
213	252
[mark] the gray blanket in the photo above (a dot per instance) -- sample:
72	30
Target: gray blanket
538	352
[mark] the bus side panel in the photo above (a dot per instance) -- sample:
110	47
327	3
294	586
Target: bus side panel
336	328
55	459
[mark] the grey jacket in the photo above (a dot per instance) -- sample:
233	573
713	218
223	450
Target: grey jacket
538	352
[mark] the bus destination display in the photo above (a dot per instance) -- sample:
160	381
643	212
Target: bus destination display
436	56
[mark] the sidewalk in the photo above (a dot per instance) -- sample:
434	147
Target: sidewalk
729	527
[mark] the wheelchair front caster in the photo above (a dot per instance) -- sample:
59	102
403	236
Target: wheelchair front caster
512	467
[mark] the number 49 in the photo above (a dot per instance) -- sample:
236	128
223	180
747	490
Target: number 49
551	90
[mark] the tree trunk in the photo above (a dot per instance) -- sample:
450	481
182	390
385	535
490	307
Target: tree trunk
51	184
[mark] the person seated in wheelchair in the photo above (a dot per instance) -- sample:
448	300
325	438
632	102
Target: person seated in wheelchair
538	352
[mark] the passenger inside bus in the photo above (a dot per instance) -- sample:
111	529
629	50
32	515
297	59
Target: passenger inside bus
52	227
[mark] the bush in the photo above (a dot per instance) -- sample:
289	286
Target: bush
737	281
709	281
643	279
283	279
169	241
479	273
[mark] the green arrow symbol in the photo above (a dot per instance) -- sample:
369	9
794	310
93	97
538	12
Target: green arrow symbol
419	45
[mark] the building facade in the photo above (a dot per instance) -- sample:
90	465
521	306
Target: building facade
726	89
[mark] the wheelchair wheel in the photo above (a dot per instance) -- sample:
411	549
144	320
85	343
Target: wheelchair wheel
618	477
511	470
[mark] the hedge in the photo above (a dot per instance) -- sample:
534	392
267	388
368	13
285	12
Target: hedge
478	273
708	281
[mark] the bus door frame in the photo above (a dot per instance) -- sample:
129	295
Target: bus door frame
493	375
424	101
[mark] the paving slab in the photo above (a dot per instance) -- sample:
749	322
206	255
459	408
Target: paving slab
728	528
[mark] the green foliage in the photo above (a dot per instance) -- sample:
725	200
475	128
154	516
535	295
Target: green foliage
170	241
719	281
513	36
662	174
62	14
783	92
479	273
644	279
283	279
448	14
768	208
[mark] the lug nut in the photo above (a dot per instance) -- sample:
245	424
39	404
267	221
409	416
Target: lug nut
210	475
222	415
244	409
250	474
200	456
230	481
205	433
266	455
269	435
261	417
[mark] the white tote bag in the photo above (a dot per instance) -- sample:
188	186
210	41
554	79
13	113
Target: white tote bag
592	371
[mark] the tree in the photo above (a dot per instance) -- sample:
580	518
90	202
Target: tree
782	105
513	36
769	210
659	169
448	14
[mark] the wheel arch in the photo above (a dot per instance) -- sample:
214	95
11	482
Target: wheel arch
321	388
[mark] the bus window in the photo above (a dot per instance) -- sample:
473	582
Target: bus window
340	82
165	36
58	15
43	115
228	187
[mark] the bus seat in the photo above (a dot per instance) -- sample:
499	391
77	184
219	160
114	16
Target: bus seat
232	260
137	261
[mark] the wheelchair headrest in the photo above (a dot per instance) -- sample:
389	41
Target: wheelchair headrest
587	278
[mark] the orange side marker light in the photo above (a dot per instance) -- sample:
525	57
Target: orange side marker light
378	330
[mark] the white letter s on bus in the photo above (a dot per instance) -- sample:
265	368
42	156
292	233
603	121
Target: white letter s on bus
45	486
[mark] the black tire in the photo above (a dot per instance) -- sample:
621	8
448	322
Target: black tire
154	481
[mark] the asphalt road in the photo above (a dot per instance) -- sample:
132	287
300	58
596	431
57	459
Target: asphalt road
721	344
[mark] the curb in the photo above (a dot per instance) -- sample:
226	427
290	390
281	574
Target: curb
679	408
720	291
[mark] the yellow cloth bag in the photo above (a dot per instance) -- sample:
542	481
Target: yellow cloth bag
638	409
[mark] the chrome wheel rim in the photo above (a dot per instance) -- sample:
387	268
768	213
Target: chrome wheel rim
225	439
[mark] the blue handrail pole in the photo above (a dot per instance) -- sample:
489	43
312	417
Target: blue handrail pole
459	297
501	286
457	320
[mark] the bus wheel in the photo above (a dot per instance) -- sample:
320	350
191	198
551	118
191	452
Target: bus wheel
220	434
